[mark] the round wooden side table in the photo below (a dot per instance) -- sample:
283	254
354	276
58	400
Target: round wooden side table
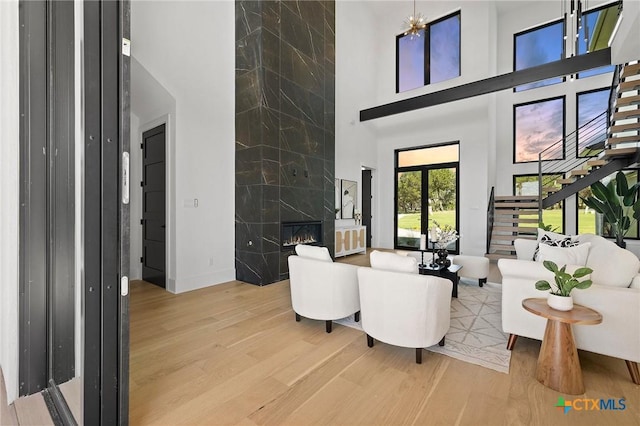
558	363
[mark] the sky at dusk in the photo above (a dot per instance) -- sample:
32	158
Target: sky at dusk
539	47
411	62
590	105
537	126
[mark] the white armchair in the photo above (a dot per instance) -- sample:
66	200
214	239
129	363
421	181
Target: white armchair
321	289
613	270
404	309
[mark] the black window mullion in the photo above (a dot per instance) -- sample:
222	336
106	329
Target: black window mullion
427	55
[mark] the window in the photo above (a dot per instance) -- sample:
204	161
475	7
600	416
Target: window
426	190
528	185
591	113
431	56
538	46
589	222
537	126
597	26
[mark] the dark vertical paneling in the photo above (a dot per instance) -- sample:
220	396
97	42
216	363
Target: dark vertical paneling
61	191
33	366
125	134
92	214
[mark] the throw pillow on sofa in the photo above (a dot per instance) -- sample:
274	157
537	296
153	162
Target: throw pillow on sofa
576	255
554	240
393	262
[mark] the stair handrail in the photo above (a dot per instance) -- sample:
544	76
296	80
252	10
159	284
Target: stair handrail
594	133
490	217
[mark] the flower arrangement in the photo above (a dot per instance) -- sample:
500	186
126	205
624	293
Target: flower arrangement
442	236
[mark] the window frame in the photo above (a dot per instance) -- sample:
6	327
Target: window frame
564	205
536	28
587	12
424	179
564	128
586	92
427	51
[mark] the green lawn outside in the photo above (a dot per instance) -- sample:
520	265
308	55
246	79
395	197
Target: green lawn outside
586	221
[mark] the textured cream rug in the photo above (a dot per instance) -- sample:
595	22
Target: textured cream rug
475	334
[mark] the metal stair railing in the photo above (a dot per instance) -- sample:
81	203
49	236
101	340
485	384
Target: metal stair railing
490	217
584	144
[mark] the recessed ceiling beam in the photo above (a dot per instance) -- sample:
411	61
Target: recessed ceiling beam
510	80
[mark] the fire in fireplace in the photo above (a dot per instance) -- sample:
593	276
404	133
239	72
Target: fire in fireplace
301	233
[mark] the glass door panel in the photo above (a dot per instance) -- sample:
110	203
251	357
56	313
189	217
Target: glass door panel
409	208
442	201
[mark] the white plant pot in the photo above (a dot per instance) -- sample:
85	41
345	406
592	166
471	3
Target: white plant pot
560	303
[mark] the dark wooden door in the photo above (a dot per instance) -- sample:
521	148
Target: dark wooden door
366	203
153	206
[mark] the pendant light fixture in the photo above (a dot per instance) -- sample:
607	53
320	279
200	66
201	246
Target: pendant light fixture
415	22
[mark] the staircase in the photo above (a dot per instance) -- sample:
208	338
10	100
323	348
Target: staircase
514	216
606	144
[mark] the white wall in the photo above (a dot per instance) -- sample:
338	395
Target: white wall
467	121
188	47
9	195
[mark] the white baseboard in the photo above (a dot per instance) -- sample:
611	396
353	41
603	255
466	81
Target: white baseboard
182	285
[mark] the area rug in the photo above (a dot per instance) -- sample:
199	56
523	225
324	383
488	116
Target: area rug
475	334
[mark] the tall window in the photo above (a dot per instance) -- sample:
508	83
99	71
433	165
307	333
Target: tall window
537	126
538	46
426	192
589	222
528	185
591	108
429	57
597	26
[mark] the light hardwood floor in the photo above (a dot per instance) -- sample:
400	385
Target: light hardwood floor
233	354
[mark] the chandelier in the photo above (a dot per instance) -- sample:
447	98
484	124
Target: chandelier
415	22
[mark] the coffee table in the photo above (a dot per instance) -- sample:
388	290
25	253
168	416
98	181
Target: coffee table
558	363
450	273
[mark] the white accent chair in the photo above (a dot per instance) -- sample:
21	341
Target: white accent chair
615	293
321	289
403	308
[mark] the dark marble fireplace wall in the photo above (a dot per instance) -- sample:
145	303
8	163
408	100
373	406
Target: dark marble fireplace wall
285	121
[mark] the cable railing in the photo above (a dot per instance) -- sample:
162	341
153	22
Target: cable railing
490	217
575	149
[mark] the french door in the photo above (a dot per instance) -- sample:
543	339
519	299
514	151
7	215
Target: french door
426	196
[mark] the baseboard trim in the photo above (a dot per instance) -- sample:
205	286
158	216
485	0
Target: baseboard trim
182	285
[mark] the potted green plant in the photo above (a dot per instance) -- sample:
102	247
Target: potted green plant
560	295
617	202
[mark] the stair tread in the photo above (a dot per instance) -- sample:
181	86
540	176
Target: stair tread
630	70
623	139
520	212
515	197
565	181
504	247
578	172
630	85
550	189
496	256
516	205
596	163
625	127
512	237
623	115
628	100
619	152
520	229
505	219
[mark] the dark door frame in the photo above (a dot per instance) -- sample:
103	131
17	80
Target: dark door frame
106	220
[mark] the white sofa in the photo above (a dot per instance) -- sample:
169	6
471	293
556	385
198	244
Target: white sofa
615	293
401	307
321	289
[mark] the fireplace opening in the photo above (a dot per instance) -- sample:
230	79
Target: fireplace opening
301	233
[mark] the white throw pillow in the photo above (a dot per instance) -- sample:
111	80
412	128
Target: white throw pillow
565	255
393	262
313	252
